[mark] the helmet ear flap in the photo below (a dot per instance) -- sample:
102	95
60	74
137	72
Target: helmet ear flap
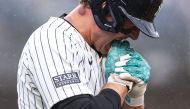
105	10
101	10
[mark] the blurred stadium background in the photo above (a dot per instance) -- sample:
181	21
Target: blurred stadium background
169	56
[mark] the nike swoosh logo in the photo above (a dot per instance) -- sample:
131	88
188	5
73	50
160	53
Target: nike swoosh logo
90	61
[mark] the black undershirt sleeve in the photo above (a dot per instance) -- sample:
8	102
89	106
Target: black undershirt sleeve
106	99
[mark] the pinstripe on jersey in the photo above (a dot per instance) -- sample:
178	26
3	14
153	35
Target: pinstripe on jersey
56	63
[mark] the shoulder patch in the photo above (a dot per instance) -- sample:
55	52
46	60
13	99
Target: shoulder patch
65	79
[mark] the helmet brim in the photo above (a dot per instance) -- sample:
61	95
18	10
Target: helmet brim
146	27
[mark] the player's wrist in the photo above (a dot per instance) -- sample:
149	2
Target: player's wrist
134	102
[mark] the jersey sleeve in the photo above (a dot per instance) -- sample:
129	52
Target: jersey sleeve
28	94
55	64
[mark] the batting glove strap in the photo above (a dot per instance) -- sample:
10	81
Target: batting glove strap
114	78
135	101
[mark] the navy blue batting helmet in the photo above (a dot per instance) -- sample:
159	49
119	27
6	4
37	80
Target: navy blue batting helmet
140	12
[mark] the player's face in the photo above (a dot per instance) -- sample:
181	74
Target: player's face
102	39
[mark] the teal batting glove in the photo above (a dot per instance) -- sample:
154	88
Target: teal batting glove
131	66
117	50
121	58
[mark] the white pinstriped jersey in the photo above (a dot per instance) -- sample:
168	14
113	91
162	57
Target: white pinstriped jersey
57	63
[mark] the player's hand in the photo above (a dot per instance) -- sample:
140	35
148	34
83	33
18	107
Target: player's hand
130	66
112	58
139	69
115	78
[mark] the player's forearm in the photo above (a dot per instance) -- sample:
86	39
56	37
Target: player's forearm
125	106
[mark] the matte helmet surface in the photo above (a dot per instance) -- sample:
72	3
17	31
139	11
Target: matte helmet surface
140	12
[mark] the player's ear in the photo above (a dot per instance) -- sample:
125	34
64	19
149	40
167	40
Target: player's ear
81	10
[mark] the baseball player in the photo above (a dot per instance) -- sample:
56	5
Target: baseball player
61	64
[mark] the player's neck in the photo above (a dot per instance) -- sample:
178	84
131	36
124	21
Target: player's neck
80	19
